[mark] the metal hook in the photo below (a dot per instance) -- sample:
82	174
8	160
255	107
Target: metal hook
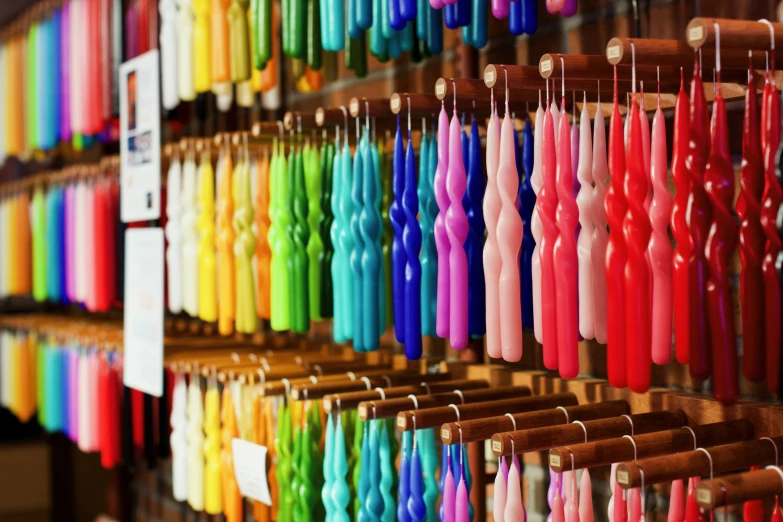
633	69
584	428
562	82
630	421
771	43
409	117
709	457
513	420
367	113
717	55
774	445
780	472
454	88
505	72
693	433
345	117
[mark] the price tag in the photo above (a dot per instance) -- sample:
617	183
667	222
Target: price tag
250	470
489	76
440	89
704	496
546	66
353	106
554	460
622	477
695	33
496	446
613	52
143	315
395	103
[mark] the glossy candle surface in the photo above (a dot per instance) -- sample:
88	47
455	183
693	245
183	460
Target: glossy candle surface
429	263
457	231
355	259
225	245
751	241
509	234
263	253
699	216
370	226
491	255
442	243
536	226
412	244
315	247
527	202
584	201
600	171
546	203
615	205
679	225
397	216
565	258
660	250
474	193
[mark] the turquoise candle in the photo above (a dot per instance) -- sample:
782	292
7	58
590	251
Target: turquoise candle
387	473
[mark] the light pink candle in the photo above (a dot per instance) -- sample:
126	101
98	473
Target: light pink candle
586	497
492	262
499	497
442	244
571	508
536	227
509	233
600	234
677	502
514	509
584	247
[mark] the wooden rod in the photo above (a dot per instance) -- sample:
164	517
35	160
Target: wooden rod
519	76
739	488
725	459
677	53
540	439
283	386
272	128
388	380
351	400
467	90
605	452
378	107
291	120
421	419
329	117
391	407
420	104
483	429
737	34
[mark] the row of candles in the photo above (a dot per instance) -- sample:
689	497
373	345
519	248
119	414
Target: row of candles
329	426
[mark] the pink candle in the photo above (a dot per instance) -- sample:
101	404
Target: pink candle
600	235
492	262
677	502
586	498
499	498
442	244
514	509
584	200
536	227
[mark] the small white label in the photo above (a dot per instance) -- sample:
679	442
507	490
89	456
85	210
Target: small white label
354	107
704	496
695	33
363	411
622	477
444	433
400	422
319	117
613	51
489	76
250	470
496	446
395	103
440	89
546	66
554	460
143	315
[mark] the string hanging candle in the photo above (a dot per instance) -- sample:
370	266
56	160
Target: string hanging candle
225	244
536	226
616	205
584	201
600	173
699	217
202	46
325	225
509	228
526	198
491	255
174	254
473	199
313	171
279	242
659	249
244	247
397	217
263	253
185	64
357	199
370	228
190	260
345	238
442	243
428	155
207	267
297	202
412	239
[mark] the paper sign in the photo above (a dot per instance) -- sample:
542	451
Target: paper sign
250	470
140	138
143	316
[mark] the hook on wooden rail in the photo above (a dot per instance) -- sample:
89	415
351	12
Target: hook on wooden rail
739	488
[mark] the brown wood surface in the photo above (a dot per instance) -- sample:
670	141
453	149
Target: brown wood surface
419	104
312	391
351	400
737	34
739	488
721	459
483	429
677	53
391	407
545	438
602	453
424	418
329	116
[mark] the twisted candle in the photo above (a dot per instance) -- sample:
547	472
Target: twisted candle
315	245
338	256
699	216
442	243
355	259
387	472
615	206
279	241
185	80
370	228
721	243
179	442
168	54
174	255
376	151
771	198
190	259
244	248
428	210
345	241
388	234
233	502
195	443
329	467
403	488
213	498
509	228
411	238
225	245
263	253
679	225
207	269
751	240
584	200
325	227
527	202
397	216
472	203
565	257
546	203
457	230
202	68
600	237
536	226
300	320
491	255
660	250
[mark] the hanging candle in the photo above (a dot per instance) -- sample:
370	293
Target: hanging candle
207	269
388	475
586	497
263	253
279	241
491	254
699	218
315	247
429	211
677	503
403	490
195	444
190	230
179	441
417	509
514	508
375	151
185	63
449	494
526	198
411	239
615	206
442	243
202	68
168	53
584	201
300	322
499	499
473	200
536	226
355	260
693	512
397	216
325	263
461	506
225	246
329	467
244	247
